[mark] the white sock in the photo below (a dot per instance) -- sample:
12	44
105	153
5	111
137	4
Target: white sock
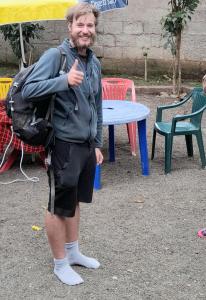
65	273
76	258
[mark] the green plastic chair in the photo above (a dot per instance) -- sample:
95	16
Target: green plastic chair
177	127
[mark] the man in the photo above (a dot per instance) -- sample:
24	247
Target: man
204	83
77	123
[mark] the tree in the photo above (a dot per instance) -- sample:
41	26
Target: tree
173	24
12	34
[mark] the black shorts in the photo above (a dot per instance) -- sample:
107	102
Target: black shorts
73	165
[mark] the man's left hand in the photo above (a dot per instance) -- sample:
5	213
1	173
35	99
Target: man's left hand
99	156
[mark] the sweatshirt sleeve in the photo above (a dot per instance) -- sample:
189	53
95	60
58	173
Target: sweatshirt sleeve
98	139
45	78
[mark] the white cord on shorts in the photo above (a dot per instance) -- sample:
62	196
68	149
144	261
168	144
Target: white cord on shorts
32	179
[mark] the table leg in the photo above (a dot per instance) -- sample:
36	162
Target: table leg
97	179
111	144
143	146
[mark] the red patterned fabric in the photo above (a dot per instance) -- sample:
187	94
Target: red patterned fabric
5	135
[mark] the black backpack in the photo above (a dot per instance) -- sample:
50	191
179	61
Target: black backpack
32	119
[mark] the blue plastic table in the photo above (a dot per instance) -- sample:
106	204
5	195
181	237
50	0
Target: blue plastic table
116	112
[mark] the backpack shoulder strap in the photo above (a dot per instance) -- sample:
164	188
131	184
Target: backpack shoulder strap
62	70
63	60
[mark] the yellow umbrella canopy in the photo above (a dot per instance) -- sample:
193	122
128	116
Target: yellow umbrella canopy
19	11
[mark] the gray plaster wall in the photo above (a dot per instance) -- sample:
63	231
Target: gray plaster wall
126	33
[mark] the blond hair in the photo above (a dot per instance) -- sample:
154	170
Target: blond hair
81	9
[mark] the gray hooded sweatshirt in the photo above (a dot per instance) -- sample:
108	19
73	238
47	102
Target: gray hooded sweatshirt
78	110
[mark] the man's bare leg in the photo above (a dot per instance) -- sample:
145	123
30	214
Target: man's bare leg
72	246
72	227
56	232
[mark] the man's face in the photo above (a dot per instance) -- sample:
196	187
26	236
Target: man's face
204	83
83	31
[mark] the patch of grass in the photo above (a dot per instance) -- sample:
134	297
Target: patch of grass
155	80
11	70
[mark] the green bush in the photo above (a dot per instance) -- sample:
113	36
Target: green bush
12	34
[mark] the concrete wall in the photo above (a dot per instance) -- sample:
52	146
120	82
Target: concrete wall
124	35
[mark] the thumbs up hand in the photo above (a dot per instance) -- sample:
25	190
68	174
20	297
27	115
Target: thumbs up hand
74	76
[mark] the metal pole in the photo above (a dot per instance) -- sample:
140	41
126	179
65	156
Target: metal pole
22	45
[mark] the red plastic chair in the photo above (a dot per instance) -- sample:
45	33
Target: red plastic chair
122	89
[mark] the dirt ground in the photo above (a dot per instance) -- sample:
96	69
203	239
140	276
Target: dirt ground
143	230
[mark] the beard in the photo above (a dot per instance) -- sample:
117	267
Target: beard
81	45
